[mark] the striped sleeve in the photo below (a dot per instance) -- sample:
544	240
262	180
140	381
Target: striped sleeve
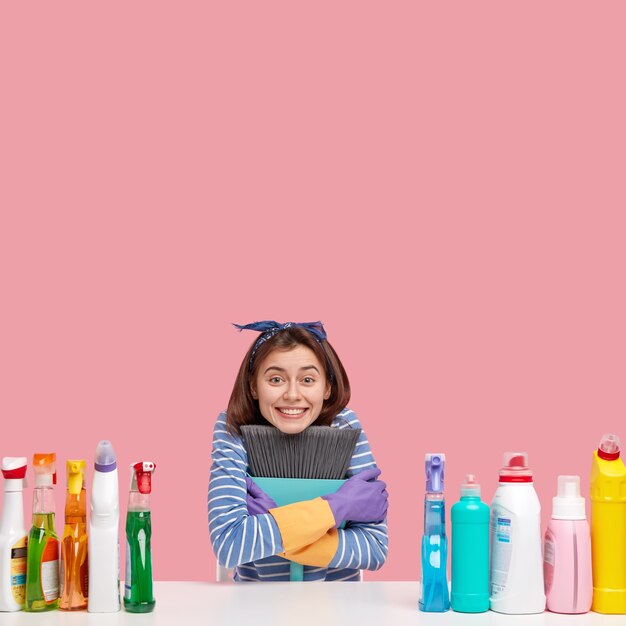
361	546
236	537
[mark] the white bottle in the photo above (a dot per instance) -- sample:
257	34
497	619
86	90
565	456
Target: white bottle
516	559
13	536
104	521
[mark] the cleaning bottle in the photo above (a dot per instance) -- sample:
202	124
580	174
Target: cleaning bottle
516	561
74	562
567	551
434	596
13	536
104	548
470	550
138	596
608	527
42	571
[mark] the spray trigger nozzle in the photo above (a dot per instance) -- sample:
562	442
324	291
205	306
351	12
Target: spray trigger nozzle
45	469
75	475
434	472
142	475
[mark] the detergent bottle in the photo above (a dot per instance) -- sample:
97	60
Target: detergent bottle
516	561
138	597
42	572
608	527
567	551
13	536
74	562
434	595
470	550
104	547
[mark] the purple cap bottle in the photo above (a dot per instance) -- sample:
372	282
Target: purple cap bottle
106	460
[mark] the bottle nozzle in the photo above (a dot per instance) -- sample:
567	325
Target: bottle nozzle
568	503
609	447
14	468
75	475
141	476
435	472
470	488
106	459
45	469
568	486
515	468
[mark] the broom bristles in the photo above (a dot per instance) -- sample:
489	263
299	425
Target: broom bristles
317	452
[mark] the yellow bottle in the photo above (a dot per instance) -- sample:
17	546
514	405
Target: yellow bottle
74	563
608	527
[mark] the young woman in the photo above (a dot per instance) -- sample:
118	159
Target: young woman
291	378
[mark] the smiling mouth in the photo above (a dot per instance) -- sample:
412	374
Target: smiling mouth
294	413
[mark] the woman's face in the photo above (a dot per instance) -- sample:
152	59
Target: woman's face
291	388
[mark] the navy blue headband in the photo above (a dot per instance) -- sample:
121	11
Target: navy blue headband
269	328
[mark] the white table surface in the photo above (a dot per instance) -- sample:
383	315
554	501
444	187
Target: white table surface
296	604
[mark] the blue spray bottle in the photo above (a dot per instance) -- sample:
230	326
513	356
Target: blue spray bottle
434	596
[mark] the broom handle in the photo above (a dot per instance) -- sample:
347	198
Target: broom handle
296	571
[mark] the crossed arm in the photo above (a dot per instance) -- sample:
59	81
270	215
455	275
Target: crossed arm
303	532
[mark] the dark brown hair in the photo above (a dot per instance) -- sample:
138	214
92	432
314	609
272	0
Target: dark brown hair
244	409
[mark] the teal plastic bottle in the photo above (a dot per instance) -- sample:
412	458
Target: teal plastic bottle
470	550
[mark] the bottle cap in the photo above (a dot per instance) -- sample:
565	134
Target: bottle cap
515	468
14	470
106	460
75	475
470	489
434	472
45	469
141	476
14	467
609	447
568	504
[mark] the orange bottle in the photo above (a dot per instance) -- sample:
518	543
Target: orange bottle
74	564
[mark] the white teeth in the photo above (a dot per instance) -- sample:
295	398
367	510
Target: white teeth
292	411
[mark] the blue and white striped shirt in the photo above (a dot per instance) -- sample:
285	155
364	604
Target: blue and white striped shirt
251	543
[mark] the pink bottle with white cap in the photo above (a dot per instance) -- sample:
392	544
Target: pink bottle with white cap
567	553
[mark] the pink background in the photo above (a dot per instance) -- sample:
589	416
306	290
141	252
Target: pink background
441	184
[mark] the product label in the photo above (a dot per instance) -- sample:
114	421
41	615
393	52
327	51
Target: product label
548	562
50	571
18	571
501	548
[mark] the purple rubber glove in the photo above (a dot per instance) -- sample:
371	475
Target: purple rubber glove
257	500
360	499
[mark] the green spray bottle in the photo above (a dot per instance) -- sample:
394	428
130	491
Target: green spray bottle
42	571
470	550
138	597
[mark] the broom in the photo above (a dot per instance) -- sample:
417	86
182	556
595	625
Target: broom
292	468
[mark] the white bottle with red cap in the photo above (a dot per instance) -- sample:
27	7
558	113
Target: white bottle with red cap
516	560
13	536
